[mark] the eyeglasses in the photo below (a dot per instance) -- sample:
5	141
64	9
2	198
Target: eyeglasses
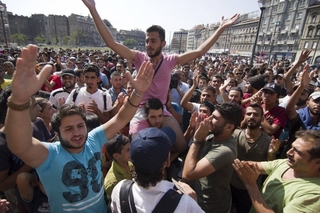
238	73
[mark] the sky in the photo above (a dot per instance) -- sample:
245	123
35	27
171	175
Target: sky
172	15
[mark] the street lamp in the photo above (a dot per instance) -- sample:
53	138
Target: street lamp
262	5
2	9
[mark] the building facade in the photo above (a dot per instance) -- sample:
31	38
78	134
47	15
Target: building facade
311	35
179	41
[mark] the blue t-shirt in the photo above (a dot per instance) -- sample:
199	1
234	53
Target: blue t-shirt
74	182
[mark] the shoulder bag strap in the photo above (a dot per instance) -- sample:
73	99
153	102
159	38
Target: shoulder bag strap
126	197
168	202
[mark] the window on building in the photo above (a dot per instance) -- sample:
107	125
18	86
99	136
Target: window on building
272	20
288	17
299	15
290	5
306	44
318	32
301	3
280	6
297	26
313	20
286	27
314	45
310	31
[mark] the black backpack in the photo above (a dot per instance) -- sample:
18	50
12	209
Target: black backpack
104	96
168	202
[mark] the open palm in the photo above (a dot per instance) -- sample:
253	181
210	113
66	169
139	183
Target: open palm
26	82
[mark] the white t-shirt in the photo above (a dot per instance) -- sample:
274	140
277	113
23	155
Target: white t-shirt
86	98
146	199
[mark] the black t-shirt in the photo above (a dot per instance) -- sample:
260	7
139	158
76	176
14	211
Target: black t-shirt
8	161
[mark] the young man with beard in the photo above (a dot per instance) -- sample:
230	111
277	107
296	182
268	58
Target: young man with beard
254	145
305	118
90	97
162	64
292	184
209	159
59	96
75	161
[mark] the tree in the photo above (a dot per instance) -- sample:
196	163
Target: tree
19	38
66	40
130	42
78	37
40	39
55	41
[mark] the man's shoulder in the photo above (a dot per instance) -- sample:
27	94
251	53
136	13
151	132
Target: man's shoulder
57	91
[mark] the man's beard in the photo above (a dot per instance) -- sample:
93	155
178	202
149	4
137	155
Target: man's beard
301	102
157	52
66	144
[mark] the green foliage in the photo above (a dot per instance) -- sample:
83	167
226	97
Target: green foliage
130	42
19	38
66	40
40	39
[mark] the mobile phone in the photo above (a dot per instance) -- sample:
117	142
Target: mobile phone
177	185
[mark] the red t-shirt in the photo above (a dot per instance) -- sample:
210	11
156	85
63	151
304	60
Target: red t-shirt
55	79
277	115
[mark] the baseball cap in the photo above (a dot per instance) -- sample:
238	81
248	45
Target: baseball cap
68	72
150	147
280	75
275	88
315	95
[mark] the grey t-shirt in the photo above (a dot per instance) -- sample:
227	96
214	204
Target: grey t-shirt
250	151
213	191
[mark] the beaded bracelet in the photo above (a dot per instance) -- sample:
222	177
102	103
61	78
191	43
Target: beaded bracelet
18	107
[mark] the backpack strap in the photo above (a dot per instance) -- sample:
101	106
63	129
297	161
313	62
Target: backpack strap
168	202
104	95
126	197
75	94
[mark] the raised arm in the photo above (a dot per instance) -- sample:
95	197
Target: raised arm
185	99
122	50
25	84
140	84
305	80
287	76
205	46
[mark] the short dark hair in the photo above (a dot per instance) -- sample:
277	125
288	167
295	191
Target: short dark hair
78	72
92	121
256	105
92	68
116	144
231	113
152	103
64	111
146	179
237	89
159	29
209	105
312	136
210	88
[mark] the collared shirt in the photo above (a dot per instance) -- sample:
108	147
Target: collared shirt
116	174
114	94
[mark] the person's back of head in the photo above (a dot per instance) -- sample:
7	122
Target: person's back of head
149	153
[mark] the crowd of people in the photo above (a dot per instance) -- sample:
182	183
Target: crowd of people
99	131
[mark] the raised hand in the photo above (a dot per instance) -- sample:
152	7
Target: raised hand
143	79
26	82
306	76
274	146
89	3
227	23
304	55
203	130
